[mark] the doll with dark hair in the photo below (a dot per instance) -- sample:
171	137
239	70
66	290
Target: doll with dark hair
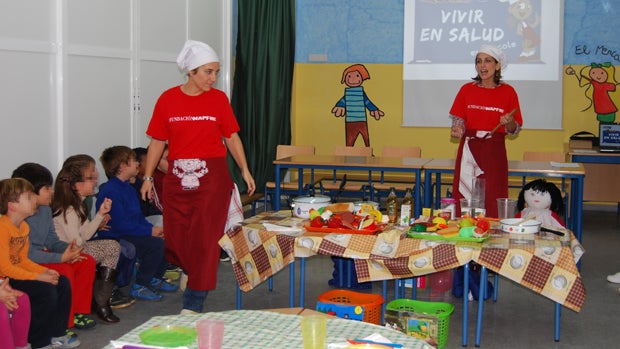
543	200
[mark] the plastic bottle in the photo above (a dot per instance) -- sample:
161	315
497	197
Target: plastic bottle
448	205
406	209
392	206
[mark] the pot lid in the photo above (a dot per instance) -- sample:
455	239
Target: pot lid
312	199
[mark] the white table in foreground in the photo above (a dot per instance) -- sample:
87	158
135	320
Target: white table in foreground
255	329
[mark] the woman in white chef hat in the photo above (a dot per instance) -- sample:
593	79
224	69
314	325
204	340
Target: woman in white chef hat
483	113
197	122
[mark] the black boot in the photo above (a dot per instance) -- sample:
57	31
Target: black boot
102	291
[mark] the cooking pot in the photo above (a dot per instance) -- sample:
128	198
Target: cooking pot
301	205
512	226
357	206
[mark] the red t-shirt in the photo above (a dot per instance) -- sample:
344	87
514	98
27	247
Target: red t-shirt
482	107
193	125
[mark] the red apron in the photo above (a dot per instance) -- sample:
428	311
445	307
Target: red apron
194	221
490	155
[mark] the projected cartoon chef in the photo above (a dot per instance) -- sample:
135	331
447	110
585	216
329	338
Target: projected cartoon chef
600	80
526	20
354	103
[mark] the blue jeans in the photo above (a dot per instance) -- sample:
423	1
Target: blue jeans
194	300
150	253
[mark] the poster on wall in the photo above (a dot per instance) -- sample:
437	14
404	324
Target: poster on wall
441	39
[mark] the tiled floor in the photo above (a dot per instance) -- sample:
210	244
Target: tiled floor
520	318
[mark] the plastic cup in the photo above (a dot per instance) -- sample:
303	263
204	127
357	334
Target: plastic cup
469	206
210	333
506	208
314	331
478	191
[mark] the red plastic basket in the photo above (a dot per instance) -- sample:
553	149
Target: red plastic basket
370	302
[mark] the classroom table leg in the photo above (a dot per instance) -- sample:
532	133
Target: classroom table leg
238	297
340	262
384	295
481	294
465	304
291	285
302	282
556	327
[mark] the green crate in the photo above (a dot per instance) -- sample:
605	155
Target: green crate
435	312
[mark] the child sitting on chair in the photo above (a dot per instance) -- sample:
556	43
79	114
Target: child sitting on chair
49	292
128	223
47	249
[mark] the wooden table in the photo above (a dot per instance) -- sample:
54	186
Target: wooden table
352	163
601	183
436	167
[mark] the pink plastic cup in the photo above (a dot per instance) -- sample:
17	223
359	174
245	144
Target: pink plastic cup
210	333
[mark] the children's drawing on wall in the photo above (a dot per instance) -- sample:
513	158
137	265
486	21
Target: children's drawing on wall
599	80
354	103
526	19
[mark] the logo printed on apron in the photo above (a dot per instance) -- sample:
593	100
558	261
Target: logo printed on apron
190	170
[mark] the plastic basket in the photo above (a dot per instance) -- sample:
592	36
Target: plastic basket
440	310
370	302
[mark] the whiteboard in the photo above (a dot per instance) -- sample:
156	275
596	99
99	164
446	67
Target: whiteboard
440	43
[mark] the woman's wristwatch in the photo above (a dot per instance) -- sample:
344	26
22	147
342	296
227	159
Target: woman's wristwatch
147	178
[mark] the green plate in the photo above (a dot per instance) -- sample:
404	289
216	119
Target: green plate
168	336
430	236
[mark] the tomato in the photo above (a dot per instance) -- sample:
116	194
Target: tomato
483	224
317	222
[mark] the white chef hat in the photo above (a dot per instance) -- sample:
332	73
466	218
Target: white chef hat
194	54
496	53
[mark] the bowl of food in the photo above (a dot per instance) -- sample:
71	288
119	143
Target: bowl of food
520	226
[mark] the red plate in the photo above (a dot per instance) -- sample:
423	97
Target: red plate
379	227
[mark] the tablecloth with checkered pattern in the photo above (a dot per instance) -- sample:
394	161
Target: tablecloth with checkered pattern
544	263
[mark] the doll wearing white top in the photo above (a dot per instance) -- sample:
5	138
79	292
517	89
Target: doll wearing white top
542	200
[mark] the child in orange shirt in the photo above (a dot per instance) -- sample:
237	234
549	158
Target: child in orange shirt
49	292
51	252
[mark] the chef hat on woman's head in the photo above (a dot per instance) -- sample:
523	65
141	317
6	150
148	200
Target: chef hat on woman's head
194	54
496	53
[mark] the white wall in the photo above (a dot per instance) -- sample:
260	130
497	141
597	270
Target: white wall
77	76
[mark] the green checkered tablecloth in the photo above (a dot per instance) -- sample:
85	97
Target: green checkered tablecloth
253	329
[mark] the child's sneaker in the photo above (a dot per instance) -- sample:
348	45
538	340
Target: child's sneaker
172	275
163	285
143	292
65	342
83	322
120	300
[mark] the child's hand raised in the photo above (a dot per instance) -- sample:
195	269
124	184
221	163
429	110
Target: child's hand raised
104	223
72	253
105	207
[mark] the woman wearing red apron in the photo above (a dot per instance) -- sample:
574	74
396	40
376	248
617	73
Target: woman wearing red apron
197	122
483	113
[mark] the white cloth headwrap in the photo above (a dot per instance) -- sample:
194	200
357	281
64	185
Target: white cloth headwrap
496	53
194	54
